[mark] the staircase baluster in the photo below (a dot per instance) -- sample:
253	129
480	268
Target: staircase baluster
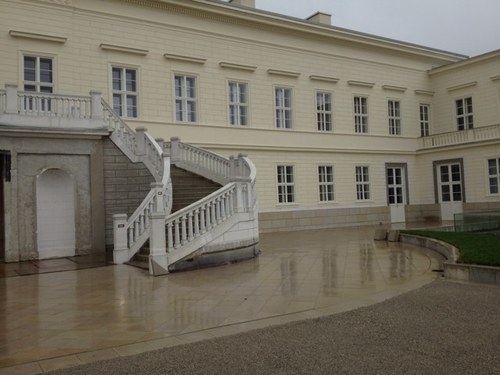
197	222
170	239
190	226
177	238
183	230
203	216
223	208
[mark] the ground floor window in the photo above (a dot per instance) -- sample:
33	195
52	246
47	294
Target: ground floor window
494	175
286	184
362	183
325	177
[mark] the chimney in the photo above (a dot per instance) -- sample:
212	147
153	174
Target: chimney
245	3
321	18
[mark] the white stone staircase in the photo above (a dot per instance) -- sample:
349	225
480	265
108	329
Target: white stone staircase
224	222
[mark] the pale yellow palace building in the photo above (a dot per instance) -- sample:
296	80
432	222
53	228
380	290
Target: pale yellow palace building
343	128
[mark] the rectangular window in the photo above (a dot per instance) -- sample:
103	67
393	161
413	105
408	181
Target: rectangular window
494	175
325	177
394	115
286	184
185	99
283	102
124	91
465	119
362	183
38	76
324	111
238	103
360	114
424	120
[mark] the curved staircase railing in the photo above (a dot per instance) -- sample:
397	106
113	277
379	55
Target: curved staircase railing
195	225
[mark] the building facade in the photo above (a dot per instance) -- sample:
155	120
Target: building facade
344	128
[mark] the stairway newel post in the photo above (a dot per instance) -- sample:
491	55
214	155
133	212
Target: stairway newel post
158	262
140	136
120	249
175	154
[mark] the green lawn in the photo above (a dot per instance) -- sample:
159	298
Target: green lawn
475	248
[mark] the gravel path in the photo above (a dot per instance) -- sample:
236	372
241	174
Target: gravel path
442	328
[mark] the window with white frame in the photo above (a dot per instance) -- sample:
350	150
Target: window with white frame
394	115
326	188
324	111
38	76
465	118
286	184
424	120
238	103
185	98
360	114
362	183
283	103
124	91
494	175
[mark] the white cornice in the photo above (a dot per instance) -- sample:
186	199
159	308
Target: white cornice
360	83
116	48
283	73
191	59
37	36
424	92
467	62
394	88
324	78
225	12
229	65
461	86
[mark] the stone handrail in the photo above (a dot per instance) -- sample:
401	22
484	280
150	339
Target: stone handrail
137	145
199	161
191	222
460	137
131	234
193	226
43	104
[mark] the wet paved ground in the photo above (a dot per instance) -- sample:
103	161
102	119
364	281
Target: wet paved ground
54	320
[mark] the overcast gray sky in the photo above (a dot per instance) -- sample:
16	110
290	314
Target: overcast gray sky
469	27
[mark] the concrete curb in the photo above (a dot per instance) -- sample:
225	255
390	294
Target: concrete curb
452	269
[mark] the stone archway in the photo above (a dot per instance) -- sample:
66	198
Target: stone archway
55	214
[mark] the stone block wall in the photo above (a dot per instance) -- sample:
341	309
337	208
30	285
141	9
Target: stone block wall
423	213
281	221
126	184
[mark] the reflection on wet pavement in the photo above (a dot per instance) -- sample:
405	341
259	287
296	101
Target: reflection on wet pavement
298	275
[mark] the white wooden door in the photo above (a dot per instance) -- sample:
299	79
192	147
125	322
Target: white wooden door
450	190
55	203
396	193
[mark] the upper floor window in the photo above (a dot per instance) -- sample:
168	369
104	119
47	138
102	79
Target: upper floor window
124	91
325	177
283	103
494	175
238	103
38	74
286	184
465	119
394	115
324	111
424	120
185	98
360	114
362	183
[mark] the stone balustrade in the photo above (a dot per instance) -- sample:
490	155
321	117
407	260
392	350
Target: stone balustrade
36	109
479	134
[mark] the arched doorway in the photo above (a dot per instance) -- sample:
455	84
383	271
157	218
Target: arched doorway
55	207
